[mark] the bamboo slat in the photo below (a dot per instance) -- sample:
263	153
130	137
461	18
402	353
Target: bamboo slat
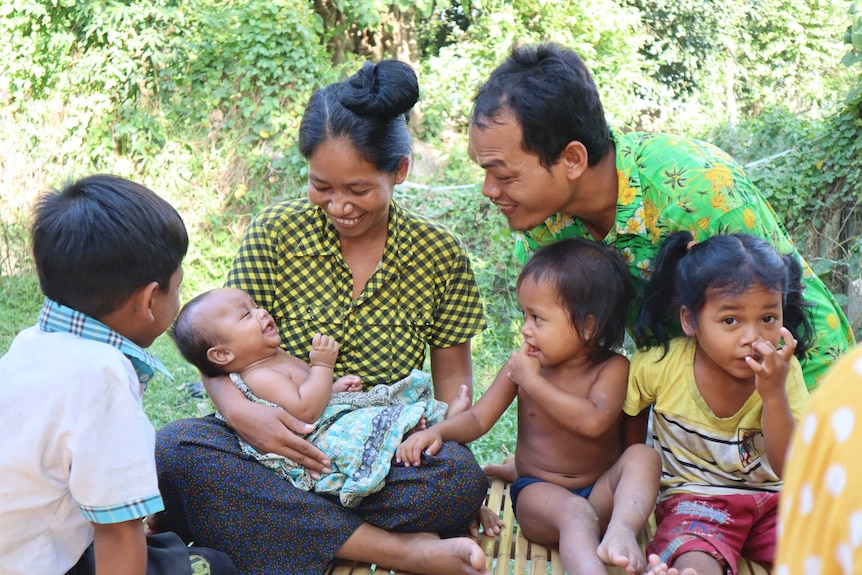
510	553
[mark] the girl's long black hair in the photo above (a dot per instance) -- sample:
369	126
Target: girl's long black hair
685	270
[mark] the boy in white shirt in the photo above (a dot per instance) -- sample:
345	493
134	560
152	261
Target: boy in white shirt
78	463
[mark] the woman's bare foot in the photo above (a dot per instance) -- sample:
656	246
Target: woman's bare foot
456	556
461	403
505	471
491	523
620	547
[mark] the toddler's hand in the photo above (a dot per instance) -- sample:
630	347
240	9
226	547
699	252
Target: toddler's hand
324	351
490	522
347	383
521	366
410	451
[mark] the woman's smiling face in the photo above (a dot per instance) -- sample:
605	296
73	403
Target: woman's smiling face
351	190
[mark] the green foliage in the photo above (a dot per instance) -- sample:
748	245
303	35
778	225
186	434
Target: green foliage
604	34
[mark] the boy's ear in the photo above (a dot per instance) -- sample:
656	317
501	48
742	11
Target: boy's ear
688	321
144	299
575	159
220	355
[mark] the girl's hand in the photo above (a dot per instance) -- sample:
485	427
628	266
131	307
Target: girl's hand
770	370
522	366
347	383
410	451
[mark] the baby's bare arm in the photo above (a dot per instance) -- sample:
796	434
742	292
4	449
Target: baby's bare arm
302	391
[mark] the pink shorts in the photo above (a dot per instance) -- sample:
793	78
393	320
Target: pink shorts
726	527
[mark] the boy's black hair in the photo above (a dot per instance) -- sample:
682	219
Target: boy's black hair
192	341
371	109
588	279
550	91
730	263
100	238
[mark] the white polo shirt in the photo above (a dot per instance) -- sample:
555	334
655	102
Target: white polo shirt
76	447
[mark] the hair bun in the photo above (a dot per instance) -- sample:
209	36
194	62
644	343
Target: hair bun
386	89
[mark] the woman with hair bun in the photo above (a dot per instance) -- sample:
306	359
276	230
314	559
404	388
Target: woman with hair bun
349	262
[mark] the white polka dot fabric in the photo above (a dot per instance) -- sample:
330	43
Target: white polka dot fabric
820	529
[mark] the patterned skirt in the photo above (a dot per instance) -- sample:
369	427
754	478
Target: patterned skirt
218	497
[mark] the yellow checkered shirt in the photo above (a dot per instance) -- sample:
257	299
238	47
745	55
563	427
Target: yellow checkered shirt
423	292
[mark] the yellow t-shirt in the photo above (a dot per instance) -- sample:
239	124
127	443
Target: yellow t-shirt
820	515
700	452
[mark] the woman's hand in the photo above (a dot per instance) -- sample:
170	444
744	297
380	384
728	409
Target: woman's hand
267	429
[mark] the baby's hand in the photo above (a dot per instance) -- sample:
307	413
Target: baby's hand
324	351
771	364
347	383
410	451
521	366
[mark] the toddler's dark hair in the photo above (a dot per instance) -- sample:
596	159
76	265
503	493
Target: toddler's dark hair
588	279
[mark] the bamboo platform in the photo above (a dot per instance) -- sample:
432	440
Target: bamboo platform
510	553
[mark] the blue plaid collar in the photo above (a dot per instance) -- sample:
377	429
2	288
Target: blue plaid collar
56	317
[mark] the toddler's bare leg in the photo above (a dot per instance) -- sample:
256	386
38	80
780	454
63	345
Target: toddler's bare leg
548	513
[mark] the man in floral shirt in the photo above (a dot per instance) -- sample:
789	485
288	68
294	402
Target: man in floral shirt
556	170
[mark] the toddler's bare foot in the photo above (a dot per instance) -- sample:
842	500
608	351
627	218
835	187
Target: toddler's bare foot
461	403
505	471
655	566
456	556
619	547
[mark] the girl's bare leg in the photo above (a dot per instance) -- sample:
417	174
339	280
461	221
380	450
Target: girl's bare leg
696	563
421	553
626	494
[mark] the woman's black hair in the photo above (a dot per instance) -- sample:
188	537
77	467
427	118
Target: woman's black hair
684	271
371	109
589	280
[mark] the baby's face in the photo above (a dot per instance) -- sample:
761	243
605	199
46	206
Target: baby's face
238	324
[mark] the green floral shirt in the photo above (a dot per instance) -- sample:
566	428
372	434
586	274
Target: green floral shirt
669	184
